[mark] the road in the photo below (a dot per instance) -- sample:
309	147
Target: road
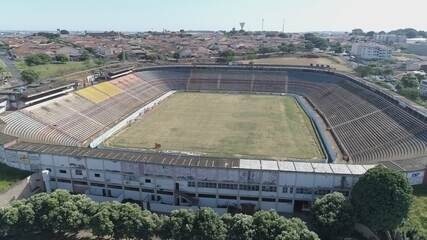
16	76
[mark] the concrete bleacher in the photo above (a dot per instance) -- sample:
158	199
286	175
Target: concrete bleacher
108	89
76	118
92	94
367	126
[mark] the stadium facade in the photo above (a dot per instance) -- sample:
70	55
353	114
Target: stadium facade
359	124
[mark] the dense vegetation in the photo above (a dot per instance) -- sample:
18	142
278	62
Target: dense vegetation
9	176
63	214
380	200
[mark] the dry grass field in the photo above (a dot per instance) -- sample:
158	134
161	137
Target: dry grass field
261	126
332	61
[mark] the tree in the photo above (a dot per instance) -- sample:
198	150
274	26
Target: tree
15	219
370	34
295	229
37	59
411	93
29	76
239	226
178	226
283	35
64	32
409	81
357	32
123	56
208	225
316	41
267	225
332	215
308	46
381	199
287	48
337	48
101	223
227	56
85	55
62	58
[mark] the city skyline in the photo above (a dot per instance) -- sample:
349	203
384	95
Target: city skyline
130	15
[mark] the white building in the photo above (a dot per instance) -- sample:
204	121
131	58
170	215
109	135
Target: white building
390	38
167	182
370	51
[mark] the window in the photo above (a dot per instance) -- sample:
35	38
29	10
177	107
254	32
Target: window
191	184
147	180
269	188
304	191
283	200
63	171
114	186
80	182
246	187
147	190
49	169
132	189
79	172
206	184
97	175
227	186
164	192
285	189
249	198
227	197
63	180
52	179
207	196
322	191
268	199
97	184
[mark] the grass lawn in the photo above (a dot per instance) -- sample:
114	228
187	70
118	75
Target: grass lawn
9	176
332	61
55	70
261	126
418	210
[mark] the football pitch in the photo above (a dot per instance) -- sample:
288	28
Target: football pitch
225	125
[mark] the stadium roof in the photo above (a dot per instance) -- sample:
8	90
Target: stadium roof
191	161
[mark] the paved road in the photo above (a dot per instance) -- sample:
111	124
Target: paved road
16	76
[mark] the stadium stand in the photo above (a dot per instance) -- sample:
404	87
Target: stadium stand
367	126
108	88
93	95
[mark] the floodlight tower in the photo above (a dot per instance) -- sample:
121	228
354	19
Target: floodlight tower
242	25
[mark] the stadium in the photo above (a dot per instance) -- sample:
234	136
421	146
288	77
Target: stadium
244	136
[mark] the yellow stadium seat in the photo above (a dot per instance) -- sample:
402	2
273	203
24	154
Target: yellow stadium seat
108	88
93	95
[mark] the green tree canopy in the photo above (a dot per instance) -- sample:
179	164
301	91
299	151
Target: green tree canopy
239	226
208	225
37	59
381	199
29	76
62	58
332	215
227	56
409	81
178	226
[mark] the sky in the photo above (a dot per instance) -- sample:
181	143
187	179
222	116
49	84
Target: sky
146	15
